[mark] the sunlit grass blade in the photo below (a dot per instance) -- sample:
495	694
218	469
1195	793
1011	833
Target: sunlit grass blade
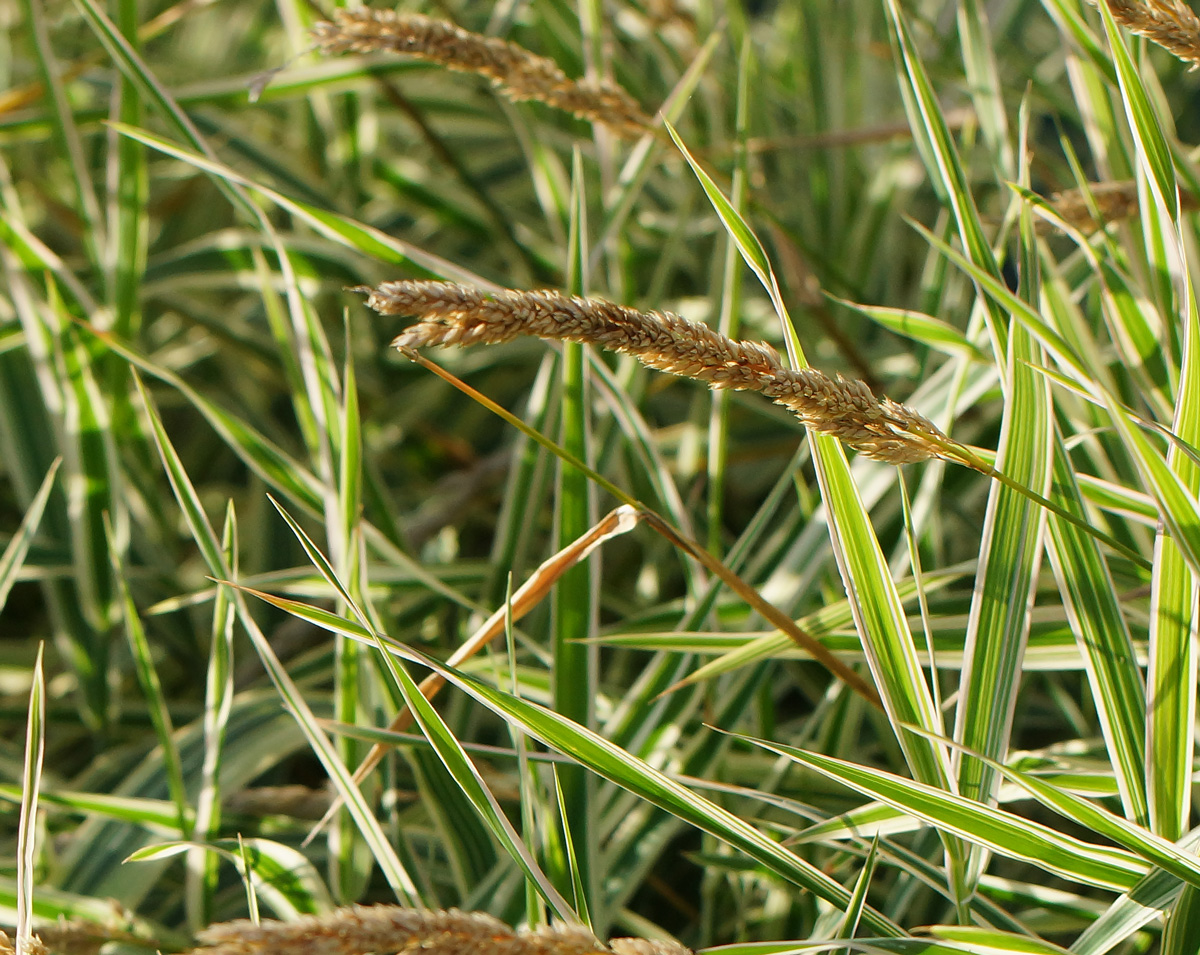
858	899
1090	596
629	773
1144	903
1183	923
282	877
1153	848
579	894
31	781
352	694
926	329
201	879
747	243
1171	678
1177	504
929	126
996	829
1152	149
1007	302
1011	546
611	762
879	616
464	772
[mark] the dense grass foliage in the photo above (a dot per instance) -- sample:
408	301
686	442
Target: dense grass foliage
787	694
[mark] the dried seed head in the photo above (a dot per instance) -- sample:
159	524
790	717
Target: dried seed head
33	946
515	71
359	929
1112	201
458	314
394	930
1172	24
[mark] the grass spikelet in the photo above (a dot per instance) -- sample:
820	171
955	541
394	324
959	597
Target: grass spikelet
515	71
456	314
1172	24
1109	202
394	930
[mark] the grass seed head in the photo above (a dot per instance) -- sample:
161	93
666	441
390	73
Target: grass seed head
454	314
1172	24
395	930
515	71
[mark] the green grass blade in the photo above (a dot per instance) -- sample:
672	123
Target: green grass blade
1173	662
264	458
397	877
341	229
1000	831
983	80
160	816
1152	149
1091	598
1142	904
878	614
1010	550
729	320
156	702
31	781
201	885
1183	923
573	670
464	772
129	223
1153	848
611	762
279	875
18	547
66	132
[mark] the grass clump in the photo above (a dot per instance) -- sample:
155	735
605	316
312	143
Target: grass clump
290	626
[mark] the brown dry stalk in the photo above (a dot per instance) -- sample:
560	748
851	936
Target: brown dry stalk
518	73
393	930
1172	24
457	314
618	521
621	520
